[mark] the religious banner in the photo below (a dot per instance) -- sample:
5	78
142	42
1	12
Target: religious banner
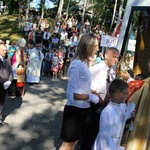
108	41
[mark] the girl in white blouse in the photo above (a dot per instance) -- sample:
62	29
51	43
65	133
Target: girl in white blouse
78	93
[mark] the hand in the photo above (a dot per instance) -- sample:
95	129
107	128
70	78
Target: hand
101	102
133	114
125	75
6	84
94	98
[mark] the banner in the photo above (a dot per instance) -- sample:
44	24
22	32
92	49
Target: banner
131	45
108	41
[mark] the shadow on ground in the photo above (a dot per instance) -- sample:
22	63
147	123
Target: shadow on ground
35	120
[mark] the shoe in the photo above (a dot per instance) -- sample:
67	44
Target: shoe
3	118
3	123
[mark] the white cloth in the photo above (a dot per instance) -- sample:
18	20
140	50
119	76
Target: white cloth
33	79
129	80
63	35
79	82
14	70
56	29
99	76
110	128
73	41
22	42
34	65
6	84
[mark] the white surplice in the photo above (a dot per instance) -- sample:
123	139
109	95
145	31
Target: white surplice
34	66
110	128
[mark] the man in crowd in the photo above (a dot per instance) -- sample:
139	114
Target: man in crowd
5	77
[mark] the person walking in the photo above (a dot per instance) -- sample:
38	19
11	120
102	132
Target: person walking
78	93
5	77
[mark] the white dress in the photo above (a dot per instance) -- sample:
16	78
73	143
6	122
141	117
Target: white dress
110	128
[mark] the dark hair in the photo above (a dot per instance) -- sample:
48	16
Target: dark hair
85	46
117	85
140	77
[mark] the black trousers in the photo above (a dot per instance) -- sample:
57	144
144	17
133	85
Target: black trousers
13	90
45	43
2	95
91	129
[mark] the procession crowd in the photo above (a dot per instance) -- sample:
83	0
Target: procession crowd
93	92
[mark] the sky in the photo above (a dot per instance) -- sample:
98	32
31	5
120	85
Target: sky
35	3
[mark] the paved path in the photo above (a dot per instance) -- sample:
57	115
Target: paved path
35	119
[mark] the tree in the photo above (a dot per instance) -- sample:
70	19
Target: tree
42	4
60	7
113	16
67	10
12	6
27	9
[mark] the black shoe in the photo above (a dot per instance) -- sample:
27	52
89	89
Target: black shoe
3	123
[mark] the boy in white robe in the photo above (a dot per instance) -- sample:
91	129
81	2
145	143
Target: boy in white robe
112	118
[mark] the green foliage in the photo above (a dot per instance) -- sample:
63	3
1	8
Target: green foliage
12	6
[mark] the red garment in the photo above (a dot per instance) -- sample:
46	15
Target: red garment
134	86
31	36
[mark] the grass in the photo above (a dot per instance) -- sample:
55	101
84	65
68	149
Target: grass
9	28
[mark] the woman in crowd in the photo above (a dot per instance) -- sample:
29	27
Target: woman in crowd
78	93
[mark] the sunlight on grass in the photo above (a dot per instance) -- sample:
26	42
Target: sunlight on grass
9	28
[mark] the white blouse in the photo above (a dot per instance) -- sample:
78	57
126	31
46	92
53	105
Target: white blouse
79	82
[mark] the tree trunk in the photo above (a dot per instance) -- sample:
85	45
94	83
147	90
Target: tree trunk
67	10
19	10
27	9
92	13
83	15
42	14
59	11
113	16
